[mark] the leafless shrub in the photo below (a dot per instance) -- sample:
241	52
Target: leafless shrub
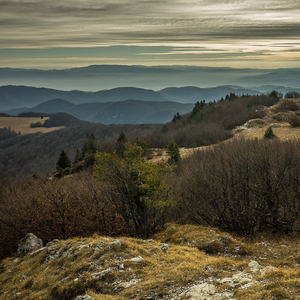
72	206
243	186
294	121
288	105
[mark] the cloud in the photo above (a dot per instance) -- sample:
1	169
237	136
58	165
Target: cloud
55	23
180	31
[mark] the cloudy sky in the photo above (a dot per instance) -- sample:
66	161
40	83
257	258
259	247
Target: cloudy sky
51	34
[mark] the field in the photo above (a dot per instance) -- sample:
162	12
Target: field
22	125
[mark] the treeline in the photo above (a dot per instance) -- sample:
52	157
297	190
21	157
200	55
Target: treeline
7	133
56	120
22	156
292	94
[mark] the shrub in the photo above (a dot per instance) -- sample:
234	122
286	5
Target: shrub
269	134
57	208
294	121
242	186
288	104
35	125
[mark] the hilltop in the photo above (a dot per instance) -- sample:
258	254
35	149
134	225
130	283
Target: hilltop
181	262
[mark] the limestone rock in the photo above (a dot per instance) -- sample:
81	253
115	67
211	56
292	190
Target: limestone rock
101	274
130	283
29	243
254	266
52	242
114	243
99	246
164	247
53	255
85	297
206	291
137	259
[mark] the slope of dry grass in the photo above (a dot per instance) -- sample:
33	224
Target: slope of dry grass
23	124
267	269
275	116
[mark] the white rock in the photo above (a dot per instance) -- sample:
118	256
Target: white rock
137	259
206	291
254	265
130	283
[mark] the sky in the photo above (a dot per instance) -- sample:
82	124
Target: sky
55	34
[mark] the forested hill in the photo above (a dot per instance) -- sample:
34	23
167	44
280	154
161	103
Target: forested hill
22	156
12	97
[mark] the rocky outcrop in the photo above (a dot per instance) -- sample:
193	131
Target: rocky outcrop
29	243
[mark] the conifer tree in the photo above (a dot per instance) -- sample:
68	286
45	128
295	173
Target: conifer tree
90	146
78	156
89	149
120	146
173	151
63	161
269	134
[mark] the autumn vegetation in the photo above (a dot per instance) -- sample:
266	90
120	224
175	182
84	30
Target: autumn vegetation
107	186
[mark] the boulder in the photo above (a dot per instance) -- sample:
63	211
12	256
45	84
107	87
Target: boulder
29	243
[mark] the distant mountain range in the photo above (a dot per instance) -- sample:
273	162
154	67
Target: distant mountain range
99	77
119	105
24	96
123	112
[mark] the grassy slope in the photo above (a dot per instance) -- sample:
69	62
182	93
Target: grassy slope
23	124
159	275
275	117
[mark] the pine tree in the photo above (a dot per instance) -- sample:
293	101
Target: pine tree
269	134
173	151
120	145
89	149
78	156
63	161
90	146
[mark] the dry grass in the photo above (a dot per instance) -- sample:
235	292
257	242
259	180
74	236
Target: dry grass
277	117
159	273
23	124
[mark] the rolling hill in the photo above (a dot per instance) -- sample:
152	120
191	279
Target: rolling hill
25	97
128	111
